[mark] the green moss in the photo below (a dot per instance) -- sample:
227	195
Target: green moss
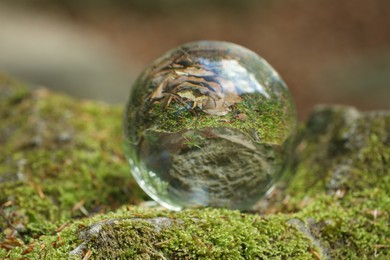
353	227
346	151
216	234
192	234
62	174
341	186
57	162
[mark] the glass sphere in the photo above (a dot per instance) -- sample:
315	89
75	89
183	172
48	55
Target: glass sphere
208	124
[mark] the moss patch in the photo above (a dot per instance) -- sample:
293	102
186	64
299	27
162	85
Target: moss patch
60	159
341	182
342	151
64	183
193	234
353	227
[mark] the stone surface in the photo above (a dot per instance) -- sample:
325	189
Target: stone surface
65	190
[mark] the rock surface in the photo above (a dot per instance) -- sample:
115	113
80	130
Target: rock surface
66	191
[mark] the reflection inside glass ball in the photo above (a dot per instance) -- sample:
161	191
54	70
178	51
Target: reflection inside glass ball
208	124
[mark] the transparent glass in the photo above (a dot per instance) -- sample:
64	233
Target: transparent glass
208	124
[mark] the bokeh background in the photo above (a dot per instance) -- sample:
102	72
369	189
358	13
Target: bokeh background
327	51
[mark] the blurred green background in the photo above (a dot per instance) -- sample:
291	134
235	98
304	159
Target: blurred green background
327	51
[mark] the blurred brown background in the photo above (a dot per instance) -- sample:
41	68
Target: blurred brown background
327	51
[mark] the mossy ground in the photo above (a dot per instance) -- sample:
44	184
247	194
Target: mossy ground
57	162
194	234
62	170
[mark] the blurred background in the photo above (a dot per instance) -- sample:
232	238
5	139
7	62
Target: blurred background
327	51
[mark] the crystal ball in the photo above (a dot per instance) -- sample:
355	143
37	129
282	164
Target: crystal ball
208	124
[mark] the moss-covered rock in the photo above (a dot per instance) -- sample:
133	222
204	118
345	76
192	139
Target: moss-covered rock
60	159
66	191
